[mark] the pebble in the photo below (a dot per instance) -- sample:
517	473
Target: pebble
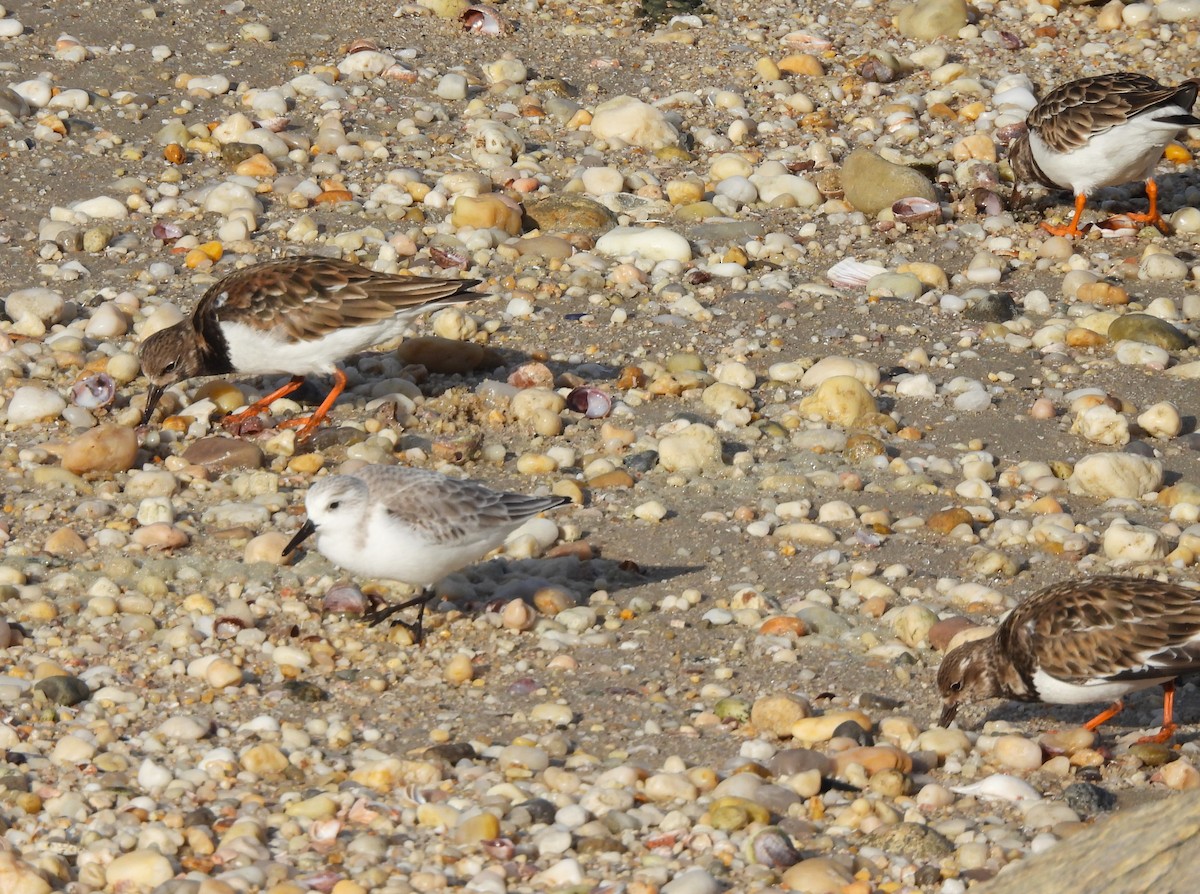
106	448
632	122
873	183
650	243
31	404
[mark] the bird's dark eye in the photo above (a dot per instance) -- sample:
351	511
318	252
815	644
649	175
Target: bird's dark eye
171	366
956	686
335	504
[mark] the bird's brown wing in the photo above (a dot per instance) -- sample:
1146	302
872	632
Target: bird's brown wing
1116	628
1068	116
304	298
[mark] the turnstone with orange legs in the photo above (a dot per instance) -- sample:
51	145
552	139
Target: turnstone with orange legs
1084	641
293	315
1102	131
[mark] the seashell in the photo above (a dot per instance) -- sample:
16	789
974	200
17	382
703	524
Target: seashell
274	124
228	626
604	62
914	210
401	73
1009	132
360	44
444	258
458	449
1011	41
531	375
591	402
851	273
806	41
345	599
771	847
499	848
362	812
986	202
166	232
483	18
1116	227
324	834
323	881
94	391
1000	786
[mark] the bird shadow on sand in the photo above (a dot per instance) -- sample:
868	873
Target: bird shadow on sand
1172	195
501	580
1142	717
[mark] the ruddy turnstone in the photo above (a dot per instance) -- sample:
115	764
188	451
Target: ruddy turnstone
292	315
1102	131
410	525
1082	641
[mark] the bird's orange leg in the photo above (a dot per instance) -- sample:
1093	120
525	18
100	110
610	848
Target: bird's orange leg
1152	216
234	421
308	424
1168	725
1104	716
1072	229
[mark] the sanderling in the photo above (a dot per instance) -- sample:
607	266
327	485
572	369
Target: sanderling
410	525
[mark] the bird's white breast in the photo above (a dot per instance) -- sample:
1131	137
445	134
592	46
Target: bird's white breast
254	351
1059	692
1129	151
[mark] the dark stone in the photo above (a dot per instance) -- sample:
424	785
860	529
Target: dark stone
996	307
927	875
536	811
219	454
233	154
871	701
799	760
617	821
851	730
1140	448
570	214
642	462
452	752
64	690
303	691
1087	799
342	436
912	840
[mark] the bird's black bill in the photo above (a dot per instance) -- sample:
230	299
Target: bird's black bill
306	530
949	712
153	396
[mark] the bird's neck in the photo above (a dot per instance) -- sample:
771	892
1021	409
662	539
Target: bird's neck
214	348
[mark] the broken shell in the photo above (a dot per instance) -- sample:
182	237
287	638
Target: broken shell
1117	226
1009	132
483	18
401	73
228	626
345	599
1002	787
459	448
499	848
166	232
275	124
986	202
532	375
851	273
591	402
450	258
360	45
94	391
914	209
806	41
